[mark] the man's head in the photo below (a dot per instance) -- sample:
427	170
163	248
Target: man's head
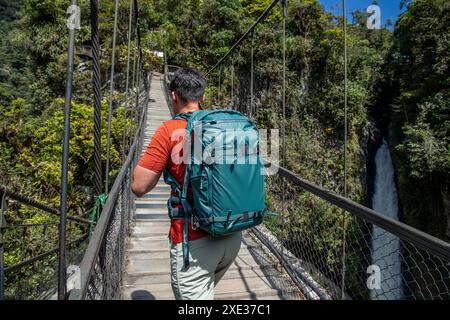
187	88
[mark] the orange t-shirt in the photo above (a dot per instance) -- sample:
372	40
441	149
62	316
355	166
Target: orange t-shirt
165	148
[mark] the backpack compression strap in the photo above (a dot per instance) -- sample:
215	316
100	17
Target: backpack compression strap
186	208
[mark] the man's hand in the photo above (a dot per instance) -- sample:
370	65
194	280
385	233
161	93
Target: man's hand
144	180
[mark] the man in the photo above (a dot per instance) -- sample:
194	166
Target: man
209	257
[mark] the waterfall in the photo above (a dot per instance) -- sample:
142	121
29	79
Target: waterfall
385	246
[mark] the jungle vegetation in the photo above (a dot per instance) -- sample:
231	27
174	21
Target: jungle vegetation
398	88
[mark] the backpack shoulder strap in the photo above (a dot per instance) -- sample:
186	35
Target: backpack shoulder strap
183	199
182	116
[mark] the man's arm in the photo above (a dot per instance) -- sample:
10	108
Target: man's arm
144	180
154	160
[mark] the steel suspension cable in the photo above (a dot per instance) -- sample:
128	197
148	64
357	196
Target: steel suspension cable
141	75
138	35
238	88
251	75
130	22
96	83
135	71
133	81
138	83
111	90
218	90
232	83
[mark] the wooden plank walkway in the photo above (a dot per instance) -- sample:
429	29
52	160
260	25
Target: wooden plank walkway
254	275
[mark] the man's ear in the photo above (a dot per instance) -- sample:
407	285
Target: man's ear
201	103
174	96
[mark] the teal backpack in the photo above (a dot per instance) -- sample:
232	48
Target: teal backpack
224	170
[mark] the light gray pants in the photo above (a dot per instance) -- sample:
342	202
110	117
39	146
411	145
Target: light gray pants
209	259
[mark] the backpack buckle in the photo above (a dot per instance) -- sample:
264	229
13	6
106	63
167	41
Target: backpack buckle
195	223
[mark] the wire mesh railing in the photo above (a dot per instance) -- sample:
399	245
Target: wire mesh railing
102	266
29	246
385	259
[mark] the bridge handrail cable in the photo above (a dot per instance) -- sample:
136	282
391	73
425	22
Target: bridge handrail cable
405	232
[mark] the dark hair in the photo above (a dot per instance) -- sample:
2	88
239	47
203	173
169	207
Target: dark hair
189	84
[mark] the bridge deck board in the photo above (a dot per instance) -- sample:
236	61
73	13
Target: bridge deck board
254	275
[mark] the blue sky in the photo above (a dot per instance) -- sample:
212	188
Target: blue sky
390	9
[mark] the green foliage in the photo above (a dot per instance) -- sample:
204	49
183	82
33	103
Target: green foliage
406	73
33	46
254	9
37	147
200	42
14	73
427	142
420	70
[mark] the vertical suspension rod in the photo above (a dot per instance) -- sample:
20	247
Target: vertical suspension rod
111	90
232	83
219	87
138	36
130	23
283	5
133	81
2	266
251	74
344	21
62	285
